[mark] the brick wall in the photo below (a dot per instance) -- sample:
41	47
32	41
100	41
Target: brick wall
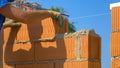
81	49
115	36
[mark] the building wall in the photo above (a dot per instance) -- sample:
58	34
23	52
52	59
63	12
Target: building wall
115	35
55	48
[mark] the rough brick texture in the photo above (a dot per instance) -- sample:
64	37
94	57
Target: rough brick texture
43	29
81	64
65	46
115	63
60	49
74	50
90	47
59	64
7	66
115	18
42	65
115	37
115	44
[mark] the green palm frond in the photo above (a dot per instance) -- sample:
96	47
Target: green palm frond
71	27
57	9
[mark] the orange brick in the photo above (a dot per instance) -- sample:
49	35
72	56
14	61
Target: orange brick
6	65
10	33
41	29
84	47
94	64
81	64
47	65
58	49
90	47
47	23
115	18
95	47
78	64
18	52
23	33
115	44
115	63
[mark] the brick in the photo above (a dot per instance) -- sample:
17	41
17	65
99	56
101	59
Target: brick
63	48
23	33
82	64
10	33
115	47
94	64
42	65
37	30
78	64
49	22
18	52
84	47
6	66
115	63
60	48
90	47
115	37
68	48
115	18
95	47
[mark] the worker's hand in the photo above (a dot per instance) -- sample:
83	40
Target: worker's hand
54	13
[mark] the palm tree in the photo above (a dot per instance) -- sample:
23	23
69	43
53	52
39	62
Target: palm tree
58	9
71	27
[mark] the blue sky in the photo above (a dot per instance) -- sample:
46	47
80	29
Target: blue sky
88	14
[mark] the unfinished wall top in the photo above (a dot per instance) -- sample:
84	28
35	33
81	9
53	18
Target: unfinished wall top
114	5
79	33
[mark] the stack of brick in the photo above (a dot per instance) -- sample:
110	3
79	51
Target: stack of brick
115	35
76	50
